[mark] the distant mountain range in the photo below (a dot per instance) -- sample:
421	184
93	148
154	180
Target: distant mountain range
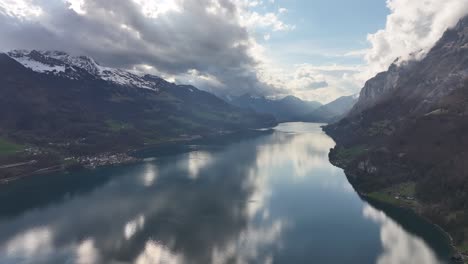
68	105
407	136
55	105
332	112
291	108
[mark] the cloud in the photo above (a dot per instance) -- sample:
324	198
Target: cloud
411	30
323	83
312	84
355	53
308	80
208	43
22	9
143	224
222	46
268	20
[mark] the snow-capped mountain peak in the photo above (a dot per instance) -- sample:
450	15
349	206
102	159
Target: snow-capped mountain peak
73	67
37	61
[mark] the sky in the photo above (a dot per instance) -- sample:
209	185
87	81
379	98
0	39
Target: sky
313	49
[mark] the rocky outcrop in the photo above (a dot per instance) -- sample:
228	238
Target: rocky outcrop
412	121
420	85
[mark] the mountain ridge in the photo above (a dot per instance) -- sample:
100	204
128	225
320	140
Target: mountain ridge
62	64
58	110
289	108
333	111
410	128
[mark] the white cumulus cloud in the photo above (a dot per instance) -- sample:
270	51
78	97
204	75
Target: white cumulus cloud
411	30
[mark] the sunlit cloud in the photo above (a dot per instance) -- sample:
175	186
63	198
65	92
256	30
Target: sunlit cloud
155	8
210	44
23	9
77	6
411	30
223	46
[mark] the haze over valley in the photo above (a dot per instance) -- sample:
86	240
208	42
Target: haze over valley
233	131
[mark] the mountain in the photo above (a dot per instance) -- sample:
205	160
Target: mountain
407	136
333	111
290	108
69	105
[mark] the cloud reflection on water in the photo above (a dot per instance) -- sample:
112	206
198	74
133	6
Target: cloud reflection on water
150	176
206	206
153	215
197	160
399	247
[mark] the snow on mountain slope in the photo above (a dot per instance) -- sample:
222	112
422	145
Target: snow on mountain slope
63	64
39	66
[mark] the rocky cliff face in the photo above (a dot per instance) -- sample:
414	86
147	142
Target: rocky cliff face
422	83
410	126
378	89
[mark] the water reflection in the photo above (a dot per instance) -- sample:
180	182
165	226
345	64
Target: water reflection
399	247
134	226
150	175
155	253
197	160
274	199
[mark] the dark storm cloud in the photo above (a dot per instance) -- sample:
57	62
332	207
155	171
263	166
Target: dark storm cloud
117	33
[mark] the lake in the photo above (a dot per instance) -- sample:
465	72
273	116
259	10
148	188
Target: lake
273	198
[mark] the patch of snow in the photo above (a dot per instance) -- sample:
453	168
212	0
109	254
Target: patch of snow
439	111
57	62
38	66
124	78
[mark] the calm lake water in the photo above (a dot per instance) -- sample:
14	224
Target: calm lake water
274	198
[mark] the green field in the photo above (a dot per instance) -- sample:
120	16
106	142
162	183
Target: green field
346	155
383	197
464	247
8	148
388	195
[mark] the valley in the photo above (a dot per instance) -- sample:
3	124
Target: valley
57	108
233	132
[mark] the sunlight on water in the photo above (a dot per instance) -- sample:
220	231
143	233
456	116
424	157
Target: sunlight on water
271	199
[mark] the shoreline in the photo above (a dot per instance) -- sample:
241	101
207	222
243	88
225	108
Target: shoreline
131	156
456	254
449	237
57	168
366	197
